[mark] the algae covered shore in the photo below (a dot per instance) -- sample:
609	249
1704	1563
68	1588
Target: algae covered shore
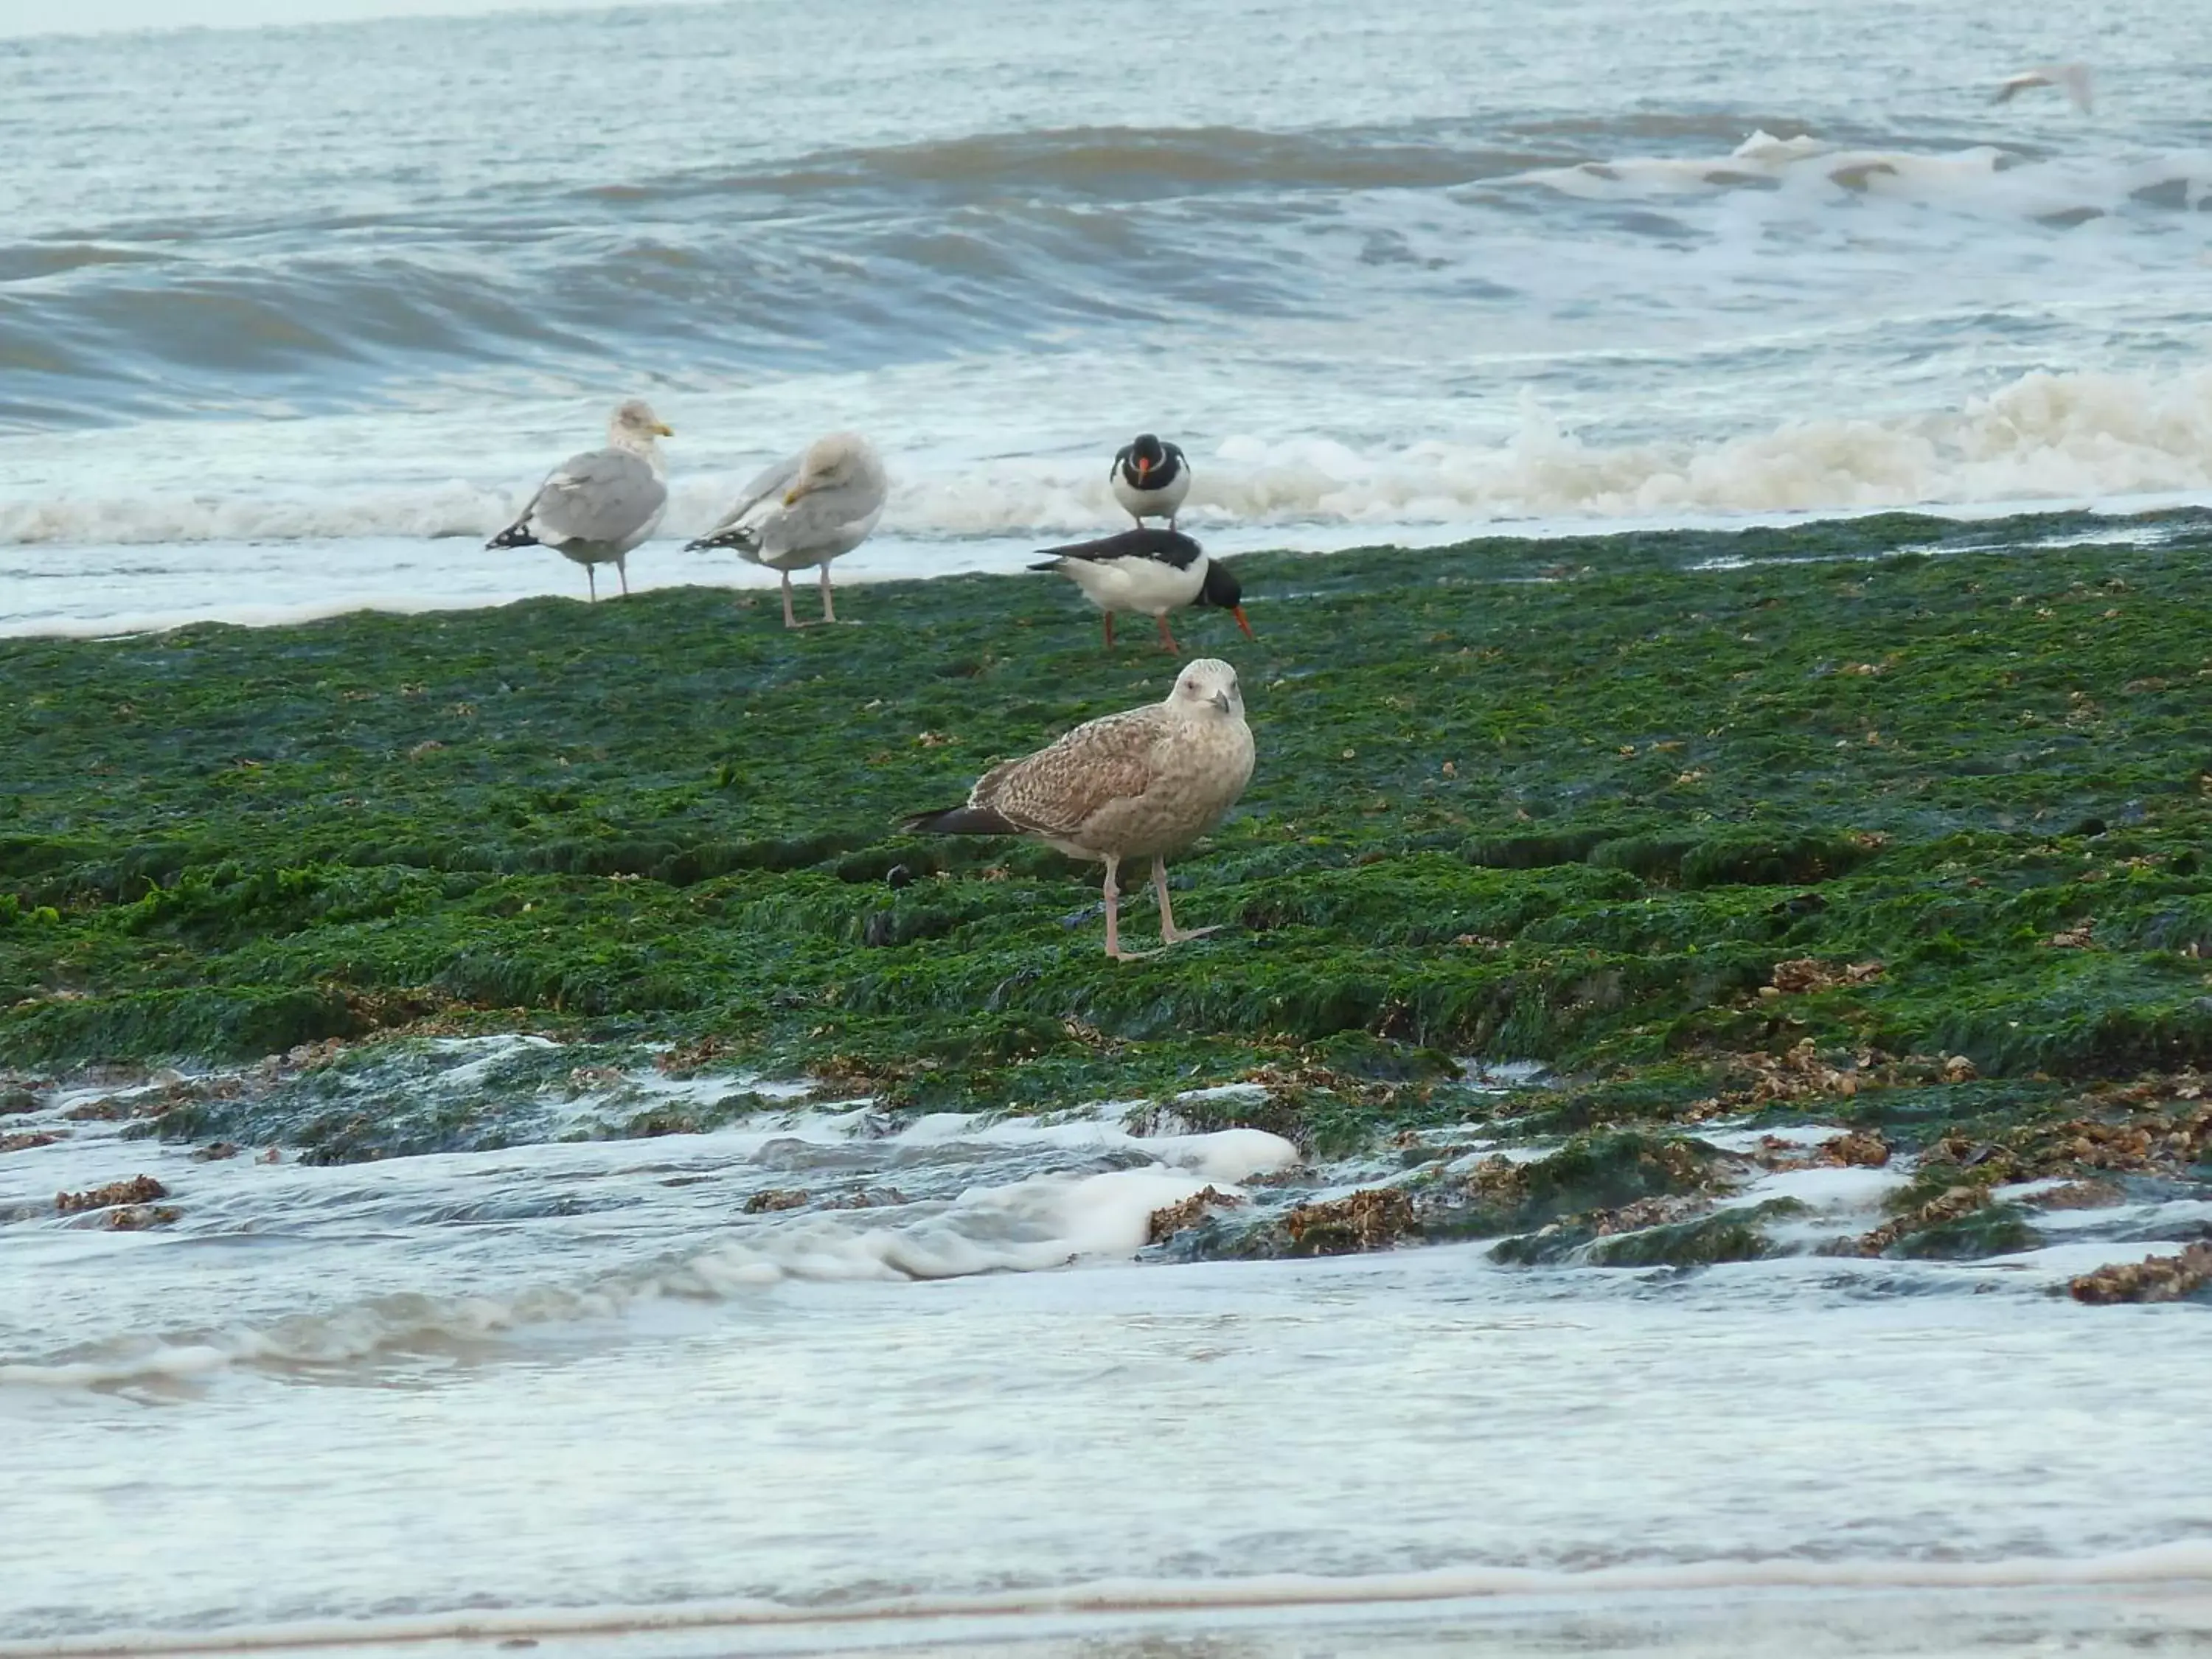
1895	823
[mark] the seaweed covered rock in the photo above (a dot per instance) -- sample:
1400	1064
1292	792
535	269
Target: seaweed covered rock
1602	1170
1587	823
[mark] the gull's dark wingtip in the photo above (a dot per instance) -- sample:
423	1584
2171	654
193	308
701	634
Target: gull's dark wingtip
958	821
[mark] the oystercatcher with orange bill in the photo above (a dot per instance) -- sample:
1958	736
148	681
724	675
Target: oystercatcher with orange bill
1150	479
1147	573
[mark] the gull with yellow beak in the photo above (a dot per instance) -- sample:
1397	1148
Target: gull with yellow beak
594	507
807	509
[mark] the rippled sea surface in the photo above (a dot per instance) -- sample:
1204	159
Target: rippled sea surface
277	306
828	1378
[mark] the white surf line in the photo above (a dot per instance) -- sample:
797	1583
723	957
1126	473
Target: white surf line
2172	1565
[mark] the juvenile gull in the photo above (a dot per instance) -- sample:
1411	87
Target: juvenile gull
1140	784
2072	79
1150	479
1147	573
595	507
807	508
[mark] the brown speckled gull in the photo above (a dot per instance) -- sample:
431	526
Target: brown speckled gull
1142	784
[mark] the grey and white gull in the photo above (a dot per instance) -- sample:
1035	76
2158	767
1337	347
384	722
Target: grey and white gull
807	509
594	507
2072	79
1140	784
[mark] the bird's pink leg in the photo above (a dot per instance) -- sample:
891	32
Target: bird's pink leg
828	610
789	620
1113	894
1167	639
1169	933
1109	630
622	570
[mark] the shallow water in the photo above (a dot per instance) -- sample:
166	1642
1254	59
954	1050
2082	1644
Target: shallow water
327	291
568	1382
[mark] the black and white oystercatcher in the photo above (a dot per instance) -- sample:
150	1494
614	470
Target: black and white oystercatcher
1142	784
1147	573
594	507
1150	479
806	509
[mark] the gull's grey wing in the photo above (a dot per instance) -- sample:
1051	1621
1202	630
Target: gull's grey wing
772	481
829	521
605	496
1058	787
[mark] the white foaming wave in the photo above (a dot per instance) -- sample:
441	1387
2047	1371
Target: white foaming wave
426	510
1029	1225
2075	437
1979	179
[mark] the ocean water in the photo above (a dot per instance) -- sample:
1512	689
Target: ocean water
589	1393
291	319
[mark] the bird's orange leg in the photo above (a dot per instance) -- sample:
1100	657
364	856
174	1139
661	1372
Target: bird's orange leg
1169	933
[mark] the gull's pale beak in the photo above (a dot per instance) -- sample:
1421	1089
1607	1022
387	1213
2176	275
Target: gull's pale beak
664	428
1221	701
802	487
1237	611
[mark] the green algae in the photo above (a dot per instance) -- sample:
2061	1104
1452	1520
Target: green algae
1566	801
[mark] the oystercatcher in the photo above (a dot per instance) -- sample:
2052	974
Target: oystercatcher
1147	573
1150	479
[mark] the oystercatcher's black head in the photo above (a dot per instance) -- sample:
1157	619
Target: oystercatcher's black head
1220	588
1149	464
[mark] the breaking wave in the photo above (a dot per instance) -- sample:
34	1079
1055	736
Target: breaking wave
2089	438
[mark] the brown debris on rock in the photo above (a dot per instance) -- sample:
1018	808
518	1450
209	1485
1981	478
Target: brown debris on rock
2076	1195
136	1218
866	1198
1171	1219
1802	1072
2147	1141
2153	1278
139	1189
778	1198
1803	974
687	1059
1373	1218
1859	1149
28	1139
1946	1206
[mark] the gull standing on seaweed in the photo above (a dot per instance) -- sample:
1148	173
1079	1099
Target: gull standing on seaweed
806	509
2072	79
594	507
1150	479
1140	784
1147	573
